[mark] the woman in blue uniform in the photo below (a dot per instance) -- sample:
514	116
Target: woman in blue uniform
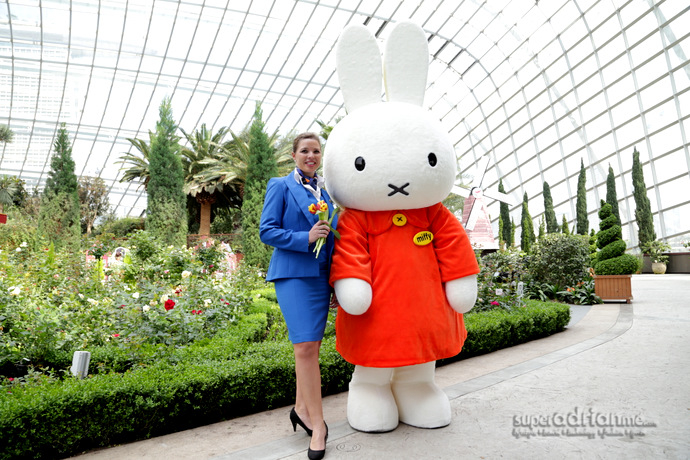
301	279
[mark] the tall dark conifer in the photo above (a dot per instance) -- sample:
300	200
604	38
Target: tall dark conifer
166	211
527	236
59	216
507	227
611	196
262	166
549	213
643	208
581	205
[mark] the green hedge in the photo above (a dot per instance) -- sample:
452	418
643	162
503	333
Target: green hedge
215	379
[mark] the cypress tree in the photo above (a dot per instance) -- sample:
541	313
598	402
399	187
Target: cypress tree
166	211
59	216
261	167
549	213
527	236
643	209
581	205
507	228
501	242
564	226
512	231
611	196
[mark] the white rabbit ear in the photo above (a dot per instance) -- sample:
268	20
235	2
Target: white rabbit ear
406	64
358	61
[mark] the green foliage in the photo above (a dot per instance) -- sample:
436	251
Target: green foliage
262	166
643	208
611	195
59	217
59	220
656	249
499	272
610	260
560	259
93	201
166	209
121	227
507	228
492	330
61	177
564	226
527	237
581	204
6	134
549	213
621	265
237	372
12	192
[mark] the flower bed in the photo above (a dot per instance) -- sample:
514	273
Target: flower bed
232	374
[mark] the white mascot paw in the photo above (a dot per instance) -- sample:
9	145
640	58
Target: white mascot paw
371	406
462	293
420	401
354	295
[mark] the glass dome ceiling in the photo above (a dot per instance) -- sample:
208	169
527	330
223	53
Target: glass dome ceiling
536	86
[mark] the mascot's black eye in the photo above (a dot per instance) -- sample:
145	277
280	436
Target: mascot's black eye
432	159
360	163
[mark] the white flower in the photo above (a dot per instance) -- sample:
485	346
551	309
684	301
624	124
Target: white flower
15	290
81	296
164	298
24	244
92	301
186	274
19	249
207	301
135	295
145	308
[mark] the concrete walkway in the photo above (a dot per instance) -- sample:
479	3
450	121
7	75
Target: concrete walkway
615	384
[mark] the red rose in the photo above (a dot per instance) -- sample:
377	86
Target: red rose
116	335
169	304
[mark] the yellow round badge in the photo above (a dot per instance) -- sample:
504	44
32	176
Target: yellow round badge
399	220
423	238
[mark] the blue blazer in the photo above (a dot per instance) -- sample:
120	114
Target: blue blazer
285	225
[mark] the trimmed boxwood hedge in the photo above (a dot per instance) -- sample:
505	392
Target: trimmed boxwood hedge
233	374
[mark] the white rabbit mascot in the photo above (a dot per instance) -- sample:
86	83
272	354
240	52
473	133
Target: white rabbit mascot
404	271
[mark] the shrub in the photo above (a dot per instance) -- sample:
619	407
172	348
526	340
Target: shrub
214	379
500	270
610	260
560	259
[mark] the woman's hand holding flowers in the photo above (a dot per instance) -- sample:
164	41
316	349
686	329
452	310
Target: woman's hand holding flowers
320	230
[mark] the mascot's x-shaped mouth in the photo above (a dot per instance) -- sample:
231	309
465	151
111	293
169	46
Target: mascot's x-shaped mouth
398	189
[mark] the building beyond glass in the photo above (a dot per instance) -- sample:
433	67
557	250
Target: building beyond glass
538	86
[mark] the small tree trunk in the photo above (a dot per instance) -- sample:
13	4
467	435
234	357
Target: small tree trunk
206	200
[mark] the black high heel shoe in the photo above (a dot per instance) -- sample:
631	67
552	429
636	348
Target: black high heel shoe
318	454
294	418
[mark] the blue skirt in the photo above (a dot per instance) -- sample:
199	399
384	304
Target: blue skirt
304	303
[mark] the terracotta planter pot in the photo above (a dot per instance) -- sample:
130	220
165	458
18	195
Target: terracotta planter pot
613	287
659	268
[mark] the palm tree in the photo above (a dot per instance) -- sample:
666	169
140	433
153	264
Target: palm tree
9	187
139	165
203	145
6	134
229	169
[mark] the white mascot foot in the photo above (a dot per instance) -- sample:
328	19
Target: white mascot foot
370	403
421	402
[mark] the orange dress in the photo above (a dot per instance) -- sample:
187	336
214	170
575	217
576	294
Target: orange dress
409	320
